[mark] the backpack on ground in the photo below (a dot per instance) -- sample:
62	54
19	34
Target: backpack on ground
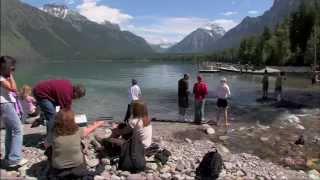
162	156
132	156
210	166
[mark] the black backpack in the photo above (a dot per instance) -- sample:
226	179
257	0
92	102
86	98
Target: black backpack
162	156
132	156
210	166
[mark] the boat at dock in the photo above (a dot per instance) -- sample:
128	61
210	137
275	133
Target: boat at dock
210	69
271	71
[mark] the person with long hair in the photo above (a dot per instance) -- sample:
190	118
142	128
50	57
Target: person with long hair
28	102
139	124
8	114
66	147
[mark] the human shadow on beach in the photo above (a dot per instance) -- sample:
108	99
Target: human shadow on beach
33	140
38	170
192	134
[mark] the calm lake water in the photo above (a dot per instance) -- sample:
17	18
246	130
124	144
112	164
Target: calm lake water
107	85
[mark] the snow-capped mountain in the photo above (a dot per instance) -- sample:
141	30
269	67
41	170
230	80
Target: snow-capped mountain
199	40
214	29
59	11
75	18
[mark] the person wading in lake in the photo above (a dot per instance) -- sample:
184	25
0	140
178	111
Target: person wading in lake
278	86
52	93
223	93
200	91
134	94
183	96
265	85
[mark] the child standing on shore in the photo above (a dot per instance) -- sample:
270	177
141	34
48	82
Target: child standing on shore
28	102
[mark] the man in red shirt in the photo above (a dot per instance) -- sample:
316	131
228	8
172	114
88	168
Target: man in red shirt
52	93
200	91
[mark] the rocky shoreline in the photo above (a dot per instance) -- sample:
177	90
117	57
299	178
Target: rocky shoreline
187	152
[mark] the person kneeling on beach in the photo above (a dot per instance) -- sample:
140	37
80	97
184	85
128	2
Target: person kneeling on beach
67	150
223	93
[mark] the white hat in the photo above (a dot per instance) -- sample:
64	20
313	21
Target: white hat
223	79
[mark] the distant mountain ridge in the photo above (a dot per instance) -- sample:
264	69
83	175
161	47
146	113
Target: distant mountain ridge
199	40
251	26
28	32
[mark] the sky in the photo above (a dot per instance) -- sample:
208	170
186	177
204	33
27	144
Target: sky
164	21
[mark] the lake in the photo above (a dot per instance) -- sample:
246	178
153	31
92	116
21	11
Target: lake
107	85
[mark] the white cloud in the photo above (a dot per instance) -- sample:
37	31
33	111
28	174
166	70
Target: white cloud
173	29
253	12
227	24
229	13
101	13
70	2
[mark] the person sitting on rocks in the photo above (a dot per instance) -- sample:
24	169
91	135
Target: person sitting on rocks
66	153
28	102
139	124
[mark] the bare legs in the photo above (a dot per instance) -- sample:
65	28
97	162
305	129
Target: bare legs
225	111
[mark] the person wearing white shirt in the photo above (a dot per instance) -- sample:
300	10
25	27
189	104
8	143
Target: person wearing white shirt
223	93
134	95
9	116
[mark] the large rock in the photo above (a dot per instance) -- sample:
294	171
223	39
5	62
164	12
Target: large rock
314	175
224	151
152	166
210	131
223	138
136	177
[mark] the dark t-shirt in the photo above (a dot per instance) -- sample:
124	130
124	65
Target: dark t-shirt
183	86
58	91
183	93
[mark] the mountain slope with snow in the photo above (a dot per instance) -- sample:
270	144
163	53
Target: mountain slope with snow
199	40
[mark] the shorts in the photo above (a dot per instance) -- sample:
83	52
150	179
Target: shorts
278	89
222	103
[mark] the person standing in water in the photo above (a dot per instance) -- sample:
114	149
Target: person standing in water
223	93
278	86
183	96
134	95
265	85
200	91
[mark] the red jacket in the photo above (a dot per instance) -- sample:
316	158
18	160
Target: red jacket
200	91
58	91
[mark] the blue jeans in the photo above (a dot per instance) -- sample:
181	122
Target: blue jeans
199	111
49	110
14	133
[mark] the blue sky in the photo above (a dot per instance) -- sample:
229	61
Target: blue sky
164	21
